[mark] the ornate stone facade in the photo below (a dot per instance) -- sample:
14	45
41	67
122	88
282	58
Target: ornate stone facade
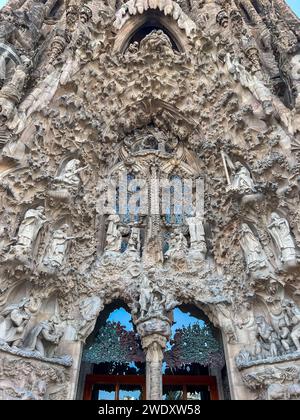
202	91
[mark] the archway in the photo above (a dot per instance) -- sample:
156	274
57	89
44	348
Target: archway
194	363
155	20
114	364
151	22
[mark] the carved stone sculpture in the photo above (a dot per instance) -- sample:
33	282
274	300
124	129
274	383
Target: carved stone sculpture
13	320
280	231
168	7
28	231
197	237
283	392
113	236
56	252
70	173
164	94
255	256
242	182
67	183
43	338
146	297
267	340
134	245
11	94
256	87
178	248
292	313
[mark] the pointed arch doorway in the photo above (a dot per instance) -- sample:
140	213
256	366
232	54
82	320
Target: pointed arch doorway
113	364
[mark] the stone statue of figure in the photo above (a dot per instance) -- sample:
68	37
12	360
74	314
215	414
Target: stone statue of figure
89	309
157	307
197	235
28	230
13	320
253	251
57	251
152	301
292	313
261	92
44	338
242	181
134	243
146	297
268	343
284	330
280	231
70	173
113	236
177	246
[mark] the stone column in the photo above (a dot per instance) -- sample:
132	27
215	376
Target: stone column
154	346
154	333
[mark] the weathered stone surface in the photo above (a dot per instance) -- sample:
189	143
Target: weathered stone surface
206	92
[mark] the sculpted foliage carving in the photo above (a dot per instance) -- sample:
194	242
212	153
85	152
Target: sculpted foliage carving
191	99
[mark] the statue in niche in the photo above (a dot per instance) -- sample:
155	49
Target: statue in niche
44	338
28	231
255	256
134	244
113	236
89	310
13	320
280	231
178	247
57	250
198	247
268	343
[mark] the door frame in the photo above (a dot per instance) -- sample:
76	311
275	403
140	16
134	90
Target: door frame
140	380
